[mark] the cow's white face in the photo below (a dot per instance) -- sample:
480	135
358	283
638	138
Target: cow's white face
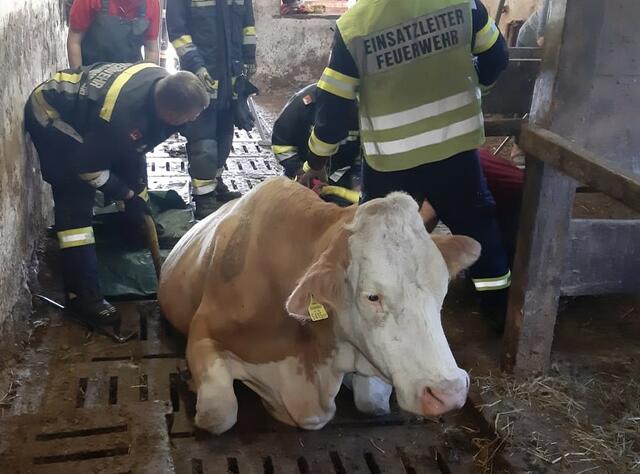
396	282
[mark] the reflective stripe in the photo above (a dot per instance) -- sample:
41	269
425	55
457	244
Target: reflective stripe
203	186
203	3
319	147
66	77
306	167
47	115
247	40
432	109
338	84
486	37
344	193
284	152
249	31
96	179
182	41
114	91
339	173
144	195
76	237
498	283
431	137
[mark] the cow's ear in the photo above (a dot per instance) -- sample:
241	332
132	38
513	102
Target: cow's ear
459	252
323	281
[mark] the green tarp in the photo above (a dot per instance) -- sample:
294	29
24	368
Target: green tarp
124	263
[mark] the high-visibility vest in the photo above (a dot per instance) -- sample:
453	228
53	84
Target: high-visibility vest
418	90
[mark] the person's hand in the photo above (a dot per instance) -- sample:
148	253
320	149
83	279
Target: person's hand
209	83
136	208
310	175
250	69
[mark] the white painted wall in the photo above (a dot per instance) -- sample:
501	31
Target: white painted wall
32	34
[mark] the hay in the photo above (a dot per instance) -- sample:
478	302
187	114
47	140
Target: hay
613	445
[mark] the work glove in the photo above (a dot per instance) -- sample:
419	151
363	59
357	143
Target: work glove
250	69
136	208
242	116
209	83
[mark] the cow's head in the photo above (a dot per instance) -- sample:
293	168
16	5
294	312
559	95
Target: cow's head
384	278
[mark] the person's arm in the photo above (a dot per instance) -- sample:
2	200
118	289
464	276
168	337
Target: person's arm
81	17
488	46
180	35
152	51
74	48
336	95
151	46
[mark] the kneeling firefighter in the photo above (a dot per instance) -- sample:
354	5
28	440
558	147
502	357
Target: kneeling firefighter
289	142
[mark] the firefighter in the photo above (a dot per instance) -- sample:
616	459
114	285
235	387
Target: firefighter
416	68
290	137
113	31
91	127
217	42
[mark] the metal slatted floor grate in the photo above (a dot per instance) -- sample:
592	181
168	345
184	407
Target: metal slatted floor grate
249	163
96	406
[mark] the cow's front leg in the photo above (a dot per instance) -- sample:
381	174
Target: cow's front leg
217	406
371	395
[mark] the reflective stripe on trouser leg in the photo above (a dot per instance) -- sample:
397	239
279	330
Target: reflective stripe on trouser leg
76	237
492	284
203	165
203	186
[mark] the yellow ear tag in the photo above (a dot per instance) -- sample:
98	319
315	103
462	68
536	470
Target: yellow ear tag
317	311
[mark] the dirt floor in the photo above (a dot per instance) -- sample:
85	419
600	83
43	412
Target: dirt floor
584	416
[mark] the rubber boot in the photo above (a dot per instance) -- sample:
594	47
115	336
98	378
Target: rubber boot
223	193
493	305
95	312
206	204
84	300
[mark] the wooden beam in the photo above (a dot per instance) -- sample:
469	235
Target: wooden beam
502	127
603	257
537	269
582	165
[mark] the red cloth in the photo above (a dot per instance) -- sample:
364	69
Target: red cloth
84	11
505	181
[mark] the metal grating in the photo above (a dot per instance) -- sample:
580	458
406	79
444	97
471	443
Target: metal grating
249	163
96	406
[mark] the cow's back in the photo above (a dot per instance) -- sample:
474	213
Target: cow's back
239	265
184	271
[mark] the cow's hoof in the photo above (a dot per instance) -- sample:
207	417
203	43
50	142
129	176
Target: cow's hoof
215	414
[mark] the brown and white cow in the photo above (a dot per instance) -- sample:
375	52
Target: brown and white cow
241	281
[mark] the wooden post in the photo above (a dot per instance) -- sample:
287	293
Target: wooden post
538	268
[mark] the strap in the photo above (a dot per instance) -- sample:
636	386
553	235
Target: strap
142	12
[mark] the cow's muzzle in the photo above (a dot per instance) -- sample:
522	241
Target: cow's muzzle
445	396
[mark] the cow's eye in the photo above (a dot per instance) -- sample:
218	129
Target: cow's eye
373	298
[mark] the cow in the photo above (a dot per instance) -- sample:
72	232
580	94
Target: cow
288	293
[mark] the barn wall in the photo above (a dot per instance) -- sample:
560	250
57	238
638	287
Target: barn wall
32	34
294	51
291	51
